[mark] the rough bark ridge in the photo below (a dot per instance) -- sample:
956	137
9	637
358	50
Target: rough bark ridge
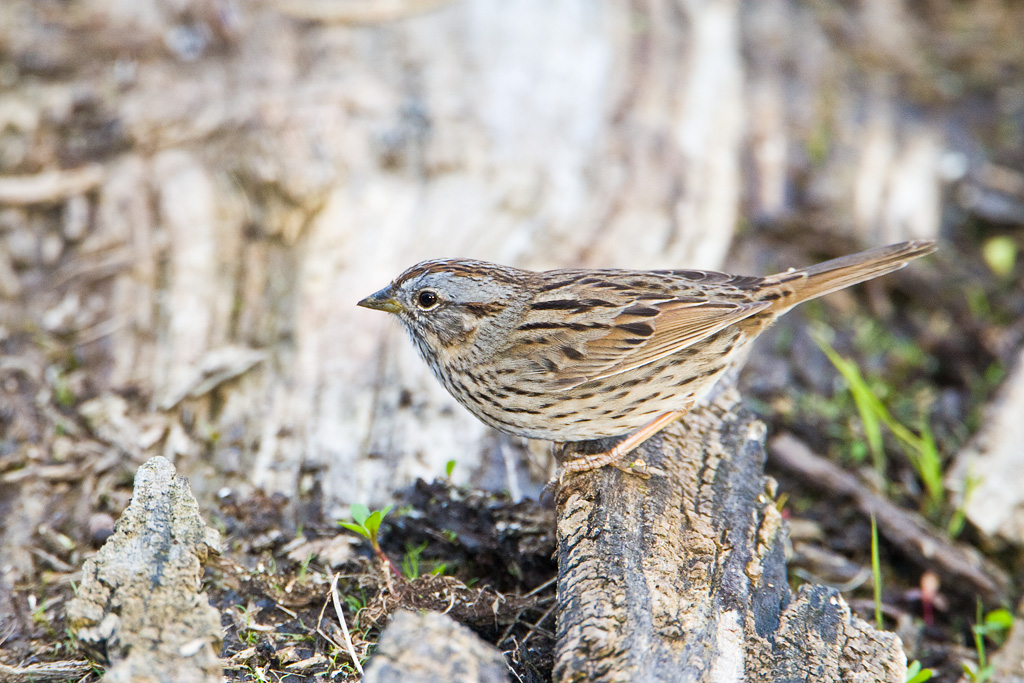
682	576
139	603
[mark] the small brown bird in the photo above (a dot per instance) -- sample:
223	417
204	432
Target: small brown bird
577	355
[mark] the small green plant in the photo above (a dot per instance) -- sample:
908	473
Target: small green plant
449	467
411	563
863	398
40	616
928	464
876	573
255	674
915	674
246	633
367	525
994	626
62	391
997	625
304	567
921	450
355	603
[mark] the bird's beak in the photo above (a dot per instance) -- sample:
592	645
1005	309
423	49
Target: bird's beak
382	301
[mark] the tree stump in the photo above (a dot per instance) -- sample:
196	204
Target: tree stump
682	576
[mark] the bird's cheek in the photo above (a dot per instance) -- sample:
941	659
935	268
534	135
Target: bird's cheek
470	331
444	335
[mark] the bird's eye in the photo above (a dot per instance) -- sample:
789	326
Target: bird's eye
427	299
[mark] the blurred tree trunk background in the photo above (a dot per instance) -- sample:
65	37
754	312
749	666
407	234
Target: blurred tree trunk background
195	193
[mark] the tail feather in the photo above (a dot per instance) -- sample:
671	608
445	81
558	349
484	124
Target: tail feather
830	276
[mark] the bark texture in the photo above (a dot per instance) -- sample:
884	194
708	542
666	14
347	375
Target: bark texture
682	576
429	647
139	606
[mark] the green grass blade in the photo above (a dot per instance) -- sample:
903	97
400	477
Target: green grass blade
921	451
865	400
979	639
929	468
876	572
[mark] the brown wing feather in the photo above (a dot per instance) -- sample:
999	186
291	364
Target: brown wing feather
634	342
583	331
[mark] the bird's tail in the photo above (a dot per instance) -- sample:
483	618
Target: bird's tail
795	286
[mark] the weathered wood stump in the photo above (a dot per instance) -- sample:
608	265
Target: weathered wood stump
682	576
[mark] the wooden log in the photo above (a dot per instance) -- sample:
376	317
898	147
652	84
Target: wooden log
682	576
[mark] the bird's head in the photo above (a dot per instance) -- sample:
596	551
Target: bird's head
453	307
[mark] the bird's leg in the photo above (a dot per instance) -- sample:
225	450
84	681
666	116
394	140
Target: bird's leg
614	454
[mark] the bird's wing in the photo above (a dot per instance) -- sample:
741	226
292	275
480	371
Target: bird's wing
632	343
589	333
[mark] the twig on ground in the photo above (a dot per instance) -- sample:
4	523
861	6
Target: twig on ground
344	626
533	629
45	671
958	564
